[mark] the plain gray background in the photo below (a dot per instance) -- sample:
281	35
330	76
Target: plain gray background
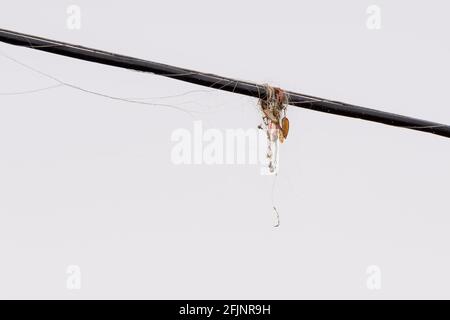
88	181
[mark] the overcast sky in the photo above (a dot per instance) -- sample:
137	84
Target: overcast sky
88	182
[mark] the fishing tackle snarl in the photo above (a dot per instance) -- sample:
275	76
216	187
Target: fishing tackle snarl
275	123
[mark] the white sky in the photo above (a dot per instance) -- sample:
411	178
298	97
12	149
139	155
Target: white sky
88	181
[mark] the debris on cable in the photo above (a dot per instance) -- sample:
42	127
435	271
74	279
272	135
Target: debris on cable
275	123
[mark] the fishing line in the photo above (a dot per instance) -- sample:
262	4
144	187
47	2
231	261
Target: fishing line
130	100
70	85
273	201
31	91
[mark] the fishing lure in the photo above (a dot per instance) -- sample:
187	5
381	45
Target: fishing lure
276	124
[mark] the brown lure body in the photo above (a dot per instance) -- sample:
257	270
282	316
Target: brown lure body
285	127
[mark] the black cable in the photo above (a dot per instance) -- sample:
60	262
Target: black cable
219	82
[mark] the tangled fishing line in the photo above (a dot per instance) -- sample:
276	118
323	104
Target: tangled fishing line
276	126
